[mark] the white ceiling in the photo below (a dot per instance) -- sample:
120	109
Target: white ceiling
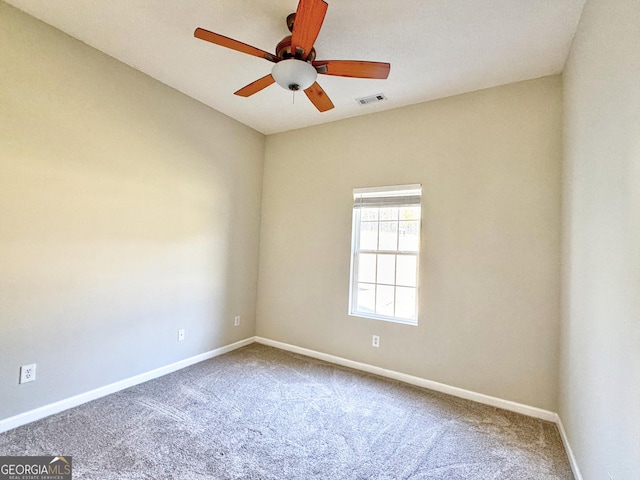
436	48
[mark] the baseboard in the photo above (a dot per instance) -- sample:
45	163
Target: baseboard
420	382
41	412
567	447
440	387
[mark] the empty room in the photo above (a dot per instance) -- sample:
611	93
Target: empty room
309	239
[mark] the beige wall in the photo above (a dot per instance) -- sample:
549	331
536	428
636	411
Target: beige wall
489	163
127	211
600	361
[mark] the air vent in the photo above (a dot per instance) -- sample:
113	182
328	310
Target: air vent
371	99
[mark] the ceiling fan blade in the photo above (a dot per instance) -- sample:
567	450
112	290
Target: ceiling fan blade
306	26
255	87
319	98
223	41
353	68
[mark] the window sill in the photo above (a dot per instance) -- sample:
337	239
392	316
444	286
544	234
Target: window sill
402	321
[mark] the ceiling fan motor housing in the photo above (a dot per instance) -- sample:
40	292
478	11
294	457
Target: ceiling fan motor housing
283	50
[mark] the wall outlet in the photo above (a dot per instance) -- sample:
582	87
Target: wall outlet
236	321
181	335
375	341
28	373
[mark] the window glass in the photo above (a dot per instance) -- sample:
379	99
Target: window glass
385	253
367	268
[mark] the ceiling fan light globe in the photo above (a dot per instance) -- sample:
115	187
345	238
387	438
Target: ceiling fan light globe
293	74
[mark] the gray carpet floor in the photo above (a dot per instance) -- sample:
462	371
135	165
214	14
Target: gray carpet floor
262	413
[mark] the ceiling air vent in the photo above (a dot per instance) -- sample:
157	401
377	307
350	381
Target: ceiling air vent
379	97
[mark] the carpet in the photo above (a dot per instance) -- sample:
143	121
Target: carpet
263	413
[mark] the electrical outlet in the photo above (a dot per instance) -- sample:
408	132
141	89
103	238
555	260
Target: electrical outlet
375	341
181	335
236	321
28	373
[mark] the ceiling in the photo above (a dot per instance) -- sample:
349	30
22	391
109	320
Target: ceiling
436	48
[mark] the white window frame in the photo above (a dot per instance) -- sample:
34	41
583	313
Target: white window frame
392	196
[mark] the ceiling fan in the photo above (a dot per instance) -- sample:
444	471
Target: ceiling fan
296	67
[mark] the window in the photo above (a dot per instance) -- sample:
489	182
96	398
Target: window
385	247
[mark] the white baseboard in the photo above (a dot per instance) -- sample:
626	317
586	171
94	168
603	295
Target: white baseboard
420	382
38	413
440	387
567	447
45	411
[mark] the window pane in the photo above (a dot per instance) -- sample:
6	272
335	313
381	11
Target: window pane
369	235
390	213
409	238
367	268
406	270
384	300
388	236
410	213
369	214
386	269
366	298
405	302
